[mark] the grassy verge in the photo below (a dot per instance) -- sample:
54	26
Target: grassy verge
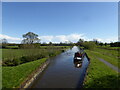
14	76
100	75
110	56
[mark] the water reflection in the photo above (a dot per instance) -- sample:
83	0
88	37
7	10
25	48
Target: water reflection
77	63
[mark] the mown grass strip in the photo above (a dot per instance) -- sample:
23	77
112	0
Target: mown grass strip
111	59
100	75
14	76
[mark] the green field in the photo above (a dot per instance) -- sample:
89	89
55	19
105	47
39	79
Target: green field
108	47
99	75
12	47
13	57
15	53
13	76
41	47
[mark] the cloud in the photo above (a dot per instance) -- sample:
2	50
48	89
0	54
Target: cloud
108	40
46	38
62	38
10	39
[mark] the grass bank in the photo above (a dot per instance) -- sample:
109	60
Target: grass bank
13	76
110	56
100	75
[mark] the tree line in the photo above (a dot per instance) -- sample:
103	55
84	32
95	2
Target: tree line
31	39
95	42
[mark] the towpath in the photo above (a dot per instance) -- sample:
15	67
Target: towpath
110	65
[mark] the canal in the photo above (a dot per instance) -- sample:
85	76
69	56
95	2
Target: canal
63	72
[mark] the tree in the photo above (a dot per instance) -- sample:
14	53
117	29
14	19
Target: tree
115	44
30	38
50	43
101	44
105	44
96	41
4	41
80	42
89	45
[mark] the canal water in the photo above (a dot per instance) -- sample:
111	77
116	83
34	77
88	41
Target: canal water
63	72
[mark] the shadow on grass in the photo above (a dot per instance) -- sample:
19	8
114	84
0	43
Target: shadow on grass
109	81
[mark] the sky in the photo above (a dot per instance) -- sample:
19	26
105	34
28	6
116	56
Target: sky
60	21
60	0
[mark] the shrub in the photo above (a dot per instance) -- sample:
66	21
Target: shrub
11	62
115	44
4	45
16	61
51	54
23	59
89	45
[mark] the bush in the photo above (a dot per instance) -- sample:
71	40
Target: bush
115	44
16	61
23	59
51	54
4	45
11	62
89	45
29	58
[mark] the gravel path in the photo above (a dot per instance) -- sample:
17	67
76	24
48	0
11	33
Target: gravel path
110	65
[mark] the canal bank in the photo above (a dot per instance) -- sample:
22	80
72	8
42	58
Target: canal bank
99	74
62	73
31	78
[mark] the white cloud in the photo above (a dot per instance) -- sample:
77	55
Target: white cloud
46	38
108	40
10	39
60	38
